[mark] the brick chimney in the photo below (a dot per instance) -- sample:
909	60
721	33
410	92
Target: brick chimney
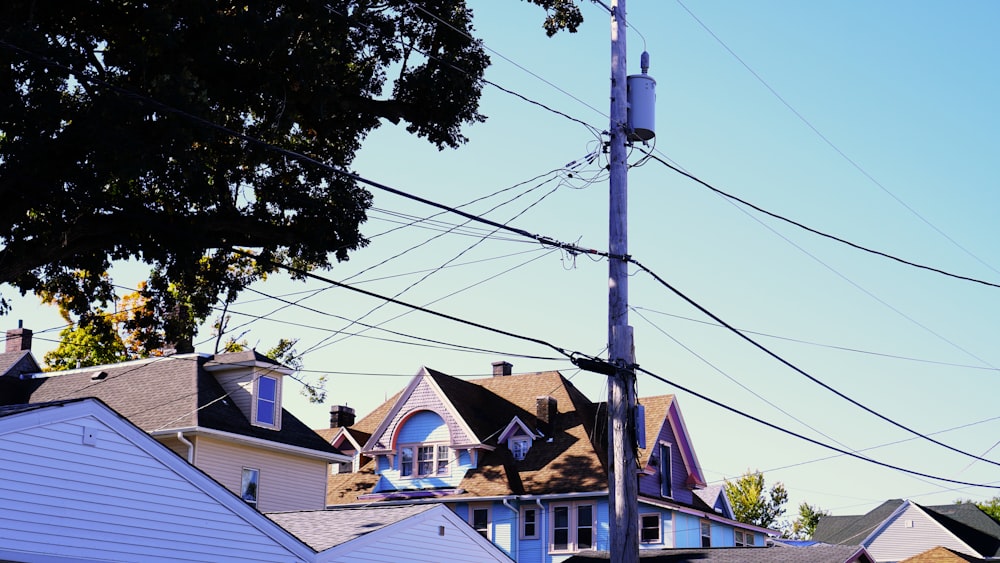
545	412
501	369
341	416
18	339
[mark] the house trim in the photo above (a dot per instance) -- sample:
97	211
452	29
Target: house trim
255	442
708	516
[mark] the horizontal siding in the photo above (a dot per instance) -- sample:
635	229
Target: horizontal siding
287	482
454	546
112	500
898	541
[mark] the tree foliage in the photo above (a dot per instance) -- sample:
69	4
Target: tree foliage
804	525
753	503
148	131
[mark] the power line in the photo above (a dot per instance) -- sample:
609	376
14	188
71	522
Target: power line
816	231
830	143
802	372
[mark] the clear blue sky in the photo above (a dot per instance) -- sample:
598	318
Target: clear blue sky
874	122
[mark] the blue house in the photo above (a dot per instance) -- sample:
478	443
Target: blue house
523	459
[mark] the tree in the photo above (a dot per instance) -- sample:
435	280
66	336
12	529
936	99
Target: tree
157	133
752	503
805	524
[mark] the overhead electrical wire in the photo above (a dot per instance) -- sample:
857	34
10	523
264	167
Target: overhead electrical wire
830	143
802	372
816	231
541	239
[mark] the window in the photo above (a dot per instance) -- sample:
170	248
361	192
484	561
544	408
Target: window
267	401
431	460
529	523
519	447
572	527
749	539
706	533
479	518
405	461
666	484
649	528
249	486
740	541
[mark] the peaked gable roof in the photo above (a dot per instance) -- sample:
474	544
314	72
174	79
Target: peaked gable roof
167	394
661	412
104	481
941	555
966	522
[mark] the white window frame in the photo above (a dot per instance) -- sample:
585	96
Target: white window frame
659	528
519	446
574	526
536	511
250	475
706	538
473	508
666	470
438	465
274	404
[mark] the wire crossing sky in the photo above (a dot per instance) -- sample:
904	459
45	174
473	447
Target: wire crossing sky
762	100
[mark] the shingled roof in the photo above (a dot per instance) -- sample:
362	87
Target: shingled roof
569	457
811	554
966	521
161	394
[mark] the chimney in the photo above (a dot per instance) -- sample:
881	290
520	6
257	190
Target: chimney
341	416
545	412
18	339
501	369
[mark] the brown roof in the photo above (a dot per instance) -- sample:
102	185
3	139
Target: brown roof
564	460
941	555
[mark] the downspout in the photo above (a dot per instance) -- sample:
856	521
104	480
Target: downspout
190	447
515	532
543	534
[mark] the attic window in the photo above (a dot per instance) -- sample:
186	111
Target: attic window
266	403
519	446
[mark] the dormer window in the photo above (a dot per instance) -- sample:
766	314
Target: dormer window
519	446
266	403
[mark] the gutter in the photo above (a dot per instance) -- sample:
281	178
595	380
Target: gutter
190	446
256	442
515	532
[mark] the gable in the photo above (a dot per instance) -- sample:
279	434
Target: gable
84	483
909	531
420	396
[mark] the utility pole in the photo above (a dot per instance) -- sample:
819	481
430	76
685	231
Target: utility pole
622	472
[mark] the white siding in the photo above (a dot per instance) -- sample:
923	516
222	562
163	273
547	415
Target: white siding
287	482
112	500
900	539
420	542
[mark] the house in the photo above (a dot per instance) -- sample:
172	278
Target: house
774	554
82	483
523	459
220	412
898	529
422	532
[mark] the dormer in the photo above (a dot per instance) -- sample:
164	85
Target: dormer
518	438
253	382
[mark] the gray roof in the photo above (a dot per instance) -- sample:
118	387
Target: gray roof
966	521
16	363
323	529
811	554
162	393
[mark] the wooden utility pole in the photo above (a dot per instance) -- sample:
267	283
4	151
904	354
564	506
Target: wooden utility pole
622	477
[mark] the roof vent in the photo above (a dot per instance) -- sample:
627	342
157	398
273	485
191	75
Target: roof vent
97	376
